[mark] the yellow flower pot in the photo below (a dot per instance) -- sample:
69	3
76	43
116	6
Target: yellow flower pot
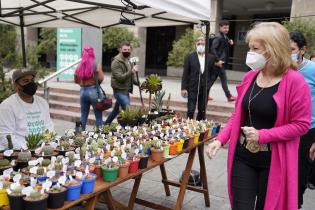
180	144
4	200
196	138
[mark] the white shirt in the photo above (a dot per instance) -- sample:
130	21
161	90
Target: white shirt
19	119
202	62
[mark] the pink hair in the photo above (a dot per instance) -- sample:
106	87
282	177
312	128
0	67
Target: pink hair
86	68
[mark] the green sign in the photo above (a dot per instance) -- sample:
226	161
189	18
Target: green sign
68	49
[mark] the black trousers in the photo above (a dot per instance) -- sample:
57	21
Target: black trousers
305	164
247	183
192	101
220	72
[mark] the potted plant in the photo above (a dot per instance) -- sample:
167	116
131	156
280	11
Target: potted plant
128	117
180	143
152	85
16	198
63	147
97	168
173	147
144	156
156	150
88	183
32	141
57	196
4	164
41	175
123	167
36	200
110	171
134	162
158	103
22	160
4	200
73	189
79	140
166	148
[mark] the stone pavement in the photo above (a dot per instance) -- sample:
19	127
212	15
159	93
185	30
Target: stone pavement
152	189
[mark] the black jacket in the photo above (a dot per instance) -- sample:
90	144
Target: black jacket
192	71
220	48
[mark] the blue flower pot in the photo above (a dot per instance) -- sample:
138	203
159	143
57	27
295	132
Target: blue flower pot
42	178
88	185
73	192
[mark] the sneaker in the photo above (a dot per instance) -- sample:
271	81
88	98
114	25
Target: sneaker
210	98
231	98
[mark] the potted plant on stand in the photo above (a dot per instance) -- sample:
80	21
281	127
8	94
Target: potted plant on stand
144	156
156	151
36	200
16	197
22	160
32	142
57	196
73	189
110	171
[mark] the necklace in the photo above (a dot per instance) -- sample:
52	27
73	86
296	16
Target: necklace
250	100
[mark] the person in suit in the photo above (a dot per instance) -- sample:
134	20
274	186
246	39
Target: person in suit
193	79
220	49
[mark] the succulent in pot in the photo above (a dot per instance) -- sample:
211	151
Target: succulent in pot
152	85
156	150
73	189
22	159
36	200
57	195
16	197
110	171
123	167
4	164
32	141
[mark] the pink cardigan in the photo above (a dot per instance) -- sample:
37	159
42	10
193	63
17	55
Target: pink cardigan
293	101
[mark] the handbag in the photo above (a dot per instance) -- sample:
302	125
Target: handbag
103	102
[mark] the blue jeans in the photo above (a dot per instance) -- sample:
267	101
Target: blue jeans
88	96
123	100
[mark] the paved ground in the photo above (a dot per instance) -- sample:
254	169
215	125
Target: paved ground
152	189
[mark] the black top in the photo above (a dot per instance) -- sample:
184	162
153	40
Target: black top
264	113
263	108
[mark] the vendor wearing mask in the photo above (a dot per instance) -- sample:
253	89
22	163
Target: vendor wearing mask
23	113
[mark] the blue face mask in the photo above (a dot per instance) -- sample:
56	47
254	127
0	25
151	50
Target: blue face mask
294	57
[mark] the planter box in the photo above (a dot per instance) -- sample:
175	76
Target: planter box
175	71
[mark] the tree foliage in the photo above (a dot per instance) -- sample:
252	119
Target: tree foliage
306	27
113	36
48	40
181	47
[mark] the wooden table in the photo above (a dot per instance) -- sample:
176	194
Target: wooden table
102	190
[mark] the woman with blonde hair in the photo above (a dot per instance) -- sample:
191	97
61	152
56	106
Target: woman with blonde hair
272	111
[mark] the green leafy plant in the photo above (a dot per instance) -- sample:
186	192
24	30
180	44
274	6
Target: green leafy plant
129	114
113	36
152	85
158	101
181	47
33	140
306	27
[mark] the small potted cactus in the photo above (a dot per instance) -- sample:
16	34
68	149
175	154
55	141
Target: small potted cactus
16	198
79	140
73	189
41	175
46	151
36	201
64	147
4	164
156	151
22	160
57	196
88	183
110	171
123	167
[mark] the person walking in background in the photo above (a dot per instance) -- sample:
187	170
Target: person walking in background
307	69
193	79
220	49
85	75
122	79
273	109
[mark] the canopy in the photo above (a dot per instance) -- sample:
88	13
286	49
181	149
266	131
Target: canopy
103	13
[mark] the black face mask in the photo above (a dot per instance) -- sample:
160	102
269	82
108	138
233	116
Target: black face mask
29	88
126	54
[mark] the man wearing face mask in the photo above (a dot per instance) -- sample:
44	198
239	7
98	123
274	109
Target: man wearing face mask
122	79
193	79
307	69
23	113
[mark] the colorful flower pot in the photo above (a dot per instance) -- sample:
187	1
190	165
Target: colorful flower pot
186	143
180	145
42	178
16	202
166	150
109	174
73	192
201	136
173	148
134	165
98	172
4	200
213	131
143	163
156	154
196	138
207	134
123	170
88	185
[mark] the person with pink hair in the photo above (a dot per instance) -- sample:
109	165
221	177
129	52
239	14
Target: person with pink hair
84	76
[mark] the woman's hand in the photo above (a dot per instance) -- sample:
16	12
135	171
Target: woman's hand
213	147
251	133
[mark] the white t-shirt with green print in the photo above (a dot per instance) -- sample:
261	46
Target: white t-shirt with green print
20	119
